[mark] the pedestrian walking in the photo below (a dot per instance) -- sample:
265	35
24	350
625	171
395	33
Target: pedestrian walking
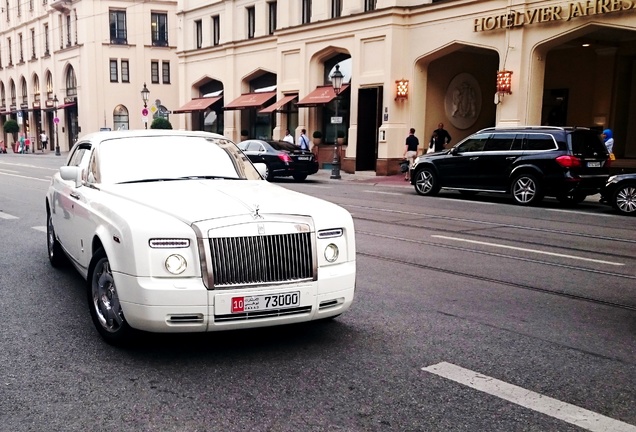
410	151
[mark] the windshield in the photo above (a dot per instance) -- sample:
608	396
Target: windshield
131	159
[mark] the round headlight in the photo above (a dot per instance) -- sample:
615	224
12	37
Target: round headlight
331	252
176	264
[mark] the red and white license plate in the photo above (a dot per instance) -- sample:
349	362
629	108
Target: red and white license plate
265	302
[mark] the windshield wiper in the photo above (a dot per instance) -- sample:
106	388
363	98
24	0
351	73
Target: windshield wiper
204	177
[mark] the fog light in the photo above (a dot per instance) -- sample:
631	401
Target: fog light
176	264
331	252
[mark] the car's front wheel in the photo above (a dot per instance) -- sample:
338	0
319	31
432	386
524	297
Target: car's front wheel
426	182
103	302
56	254
526	190
624	199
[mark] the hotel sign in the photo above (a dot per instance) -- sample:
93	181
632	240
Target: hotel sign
553	13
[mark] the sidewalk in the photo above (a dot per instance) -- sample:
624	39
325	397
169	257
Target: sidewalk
366	177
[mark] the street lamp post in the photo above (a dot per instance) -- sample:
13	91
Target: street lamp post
336	81
145	93
56	120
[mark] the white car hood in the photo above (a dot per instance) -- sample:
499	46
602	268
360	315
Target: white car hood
196	200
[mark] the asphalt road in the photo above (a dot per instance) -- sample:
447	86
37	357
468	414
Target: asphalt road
470	315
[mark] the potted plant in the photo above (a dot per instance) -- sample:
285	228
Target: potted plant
160	123
317	136
12	128
340	136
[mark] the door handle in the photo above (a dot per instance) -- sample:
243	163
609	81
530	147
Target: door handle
75	195
511	157
474	158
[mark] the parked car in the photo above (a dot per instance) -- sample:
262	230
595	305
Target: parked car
620	193
283	159
177	231
527	162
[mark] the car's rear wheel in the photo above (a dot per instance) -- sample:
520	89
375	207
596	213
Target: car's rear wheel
571	199
426	182
624	199
103	302
269	176
526	190
56	254
300	177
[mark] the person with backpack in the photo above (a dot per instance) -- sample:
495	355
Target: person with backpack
303	142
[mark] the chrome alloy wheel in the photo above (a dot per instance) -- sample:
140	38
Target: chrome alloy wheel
525	189
425	182
625	199
105	299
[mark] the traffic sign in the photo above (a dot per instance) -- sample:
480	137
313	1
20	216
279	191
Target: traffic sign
144	112
56	120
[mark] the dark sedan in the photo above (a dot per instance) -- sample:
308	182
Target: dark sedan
282	159
620	193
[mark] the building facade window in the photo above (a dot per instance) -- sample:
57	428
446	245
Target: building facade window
71	82
60	25
336	8
271	22
154	72
251	21
68	30
159	29
306	12
25	93
165	72
114	74
18	8
30	5
125	71
7	9
46	39
198	33
32	44
36	89
369	5
10	48
118	27
216	30
20	48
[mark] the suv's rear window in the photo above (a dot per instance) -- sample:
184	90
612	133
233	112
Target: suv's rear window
587	143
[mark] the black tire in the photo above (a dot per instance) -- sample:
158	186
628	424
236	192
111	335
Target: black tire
624	199
526	190
103	302
269	176
300	177
571	199
57	257
426	182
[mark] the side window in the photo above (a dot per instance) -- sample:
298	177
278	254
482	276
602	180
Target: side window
500	142
254	146
474	144
81	152
535	142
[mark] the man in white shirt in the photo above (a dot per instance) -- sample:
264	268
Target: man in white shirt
288	137
303	142
44	139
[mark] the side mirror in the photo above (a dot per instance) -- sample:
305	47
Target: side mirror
261	168
72	173
453	151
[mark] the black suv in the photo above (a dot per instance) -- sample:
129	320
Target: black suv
527	162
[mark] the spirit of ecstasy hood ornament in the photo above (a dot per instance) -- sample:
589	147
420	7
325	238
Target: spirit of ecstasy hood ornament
255	214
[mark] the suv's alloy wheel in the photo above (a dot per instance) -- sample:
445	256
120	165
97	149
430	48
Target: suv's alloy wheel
426	182
526	190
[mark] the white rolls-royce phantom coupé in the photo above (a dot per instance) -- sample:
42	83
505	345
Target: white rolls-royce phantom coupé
177	231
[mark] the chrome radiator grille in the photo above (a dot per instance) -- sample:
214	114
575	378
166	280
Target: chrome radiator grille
261	259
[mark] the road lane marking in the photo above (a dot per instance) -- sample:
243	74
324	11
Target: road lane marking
529	250
3	170
582	212
385	193
7	216
569	413
25	177
40	228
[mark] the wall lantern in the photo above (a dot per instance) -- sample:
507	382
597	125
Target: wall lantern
504	82
401	89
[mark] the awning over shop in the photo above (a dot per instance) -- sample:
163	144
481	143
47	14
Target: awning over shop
250	100
278	104
322	95
197	104
66	105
